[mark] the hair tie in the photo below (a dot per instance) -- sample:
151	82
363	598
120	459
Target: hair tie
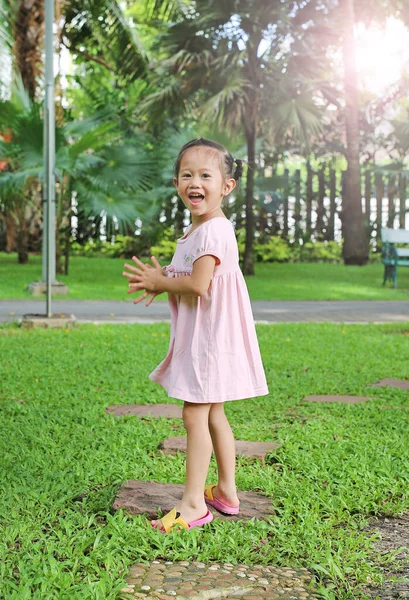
239	168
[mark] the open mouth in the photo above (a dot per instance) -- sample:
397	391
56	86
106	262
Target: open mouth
195	198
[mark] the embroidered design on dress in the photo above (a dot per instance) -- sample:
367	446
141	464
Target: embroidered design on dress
186	258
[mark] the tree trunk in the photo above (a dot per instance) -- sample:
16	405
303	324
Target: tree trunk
11	233
58	250
22	241
67	244
29	32
248	259
356	248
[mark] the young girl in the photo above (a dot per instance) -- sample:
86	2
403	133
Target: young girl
213	354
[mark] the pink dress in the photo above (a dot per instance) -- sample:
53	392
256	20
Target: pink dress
213	354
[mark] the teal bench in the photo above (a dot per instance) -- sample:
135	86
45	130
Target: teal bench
392	256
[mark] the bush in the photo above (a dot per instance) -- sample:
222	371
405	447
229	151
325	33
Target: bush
275	250
124	246
278	249
165	249
317	252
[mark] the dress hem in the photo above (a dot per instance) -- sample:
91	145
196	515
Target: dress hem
263	391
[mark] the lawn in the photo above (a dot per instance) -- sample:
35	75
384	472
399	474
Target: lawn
64	458
100	279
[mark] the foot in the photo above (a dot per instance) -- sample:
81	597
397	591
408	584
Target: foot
228	497
188	513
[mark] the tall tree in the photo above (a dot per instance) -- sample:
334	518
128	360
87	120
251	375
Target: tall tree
226	62
356	243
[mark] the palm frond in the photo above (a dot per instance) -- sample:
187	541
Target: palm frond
227	107
104	21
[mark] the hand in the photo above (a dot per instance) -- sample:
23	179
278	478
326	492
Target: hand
144	277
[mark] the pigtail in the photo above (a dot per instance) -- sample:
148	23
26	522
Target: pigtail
239	169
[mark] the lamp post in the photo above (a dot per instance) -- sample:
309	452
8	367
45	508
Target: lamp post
48	275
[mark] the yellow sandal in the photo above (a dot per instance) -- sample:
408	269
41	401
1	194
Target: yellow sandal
173	518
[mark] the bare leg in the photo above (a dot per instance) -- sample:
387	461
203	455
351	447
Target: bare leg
198	453
225	450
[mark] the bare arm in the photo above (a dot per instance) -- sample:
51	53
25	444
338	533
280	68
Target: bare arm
153	281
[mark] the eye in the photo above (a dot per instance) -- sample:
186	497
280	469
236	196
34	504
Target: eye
206	175
186	175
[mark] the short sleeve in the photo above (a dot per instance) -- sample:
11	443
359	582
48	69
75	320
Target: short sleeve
211	240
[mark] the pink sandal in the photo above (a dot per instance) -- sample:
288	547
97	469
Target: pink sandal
173	518
218	504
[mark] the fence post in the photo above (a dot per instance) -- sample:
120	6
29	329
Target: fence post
368	195
286	194
333	207
297	206
402	200
379	187
320	207
308	201
391	200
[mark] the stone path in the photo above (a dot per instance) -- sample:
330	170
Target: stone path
331	311
394	383
197	581
257	450
149	498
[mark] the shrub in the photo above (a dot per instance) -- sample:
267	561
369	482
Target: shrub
165	249
124	246
275	250
317	252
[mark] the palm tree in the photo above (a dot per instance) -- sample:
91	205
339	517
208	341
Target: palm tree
99	23
107	175
223	65
356	243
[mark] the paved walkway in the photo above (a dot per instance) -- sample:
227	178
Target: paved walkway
269	312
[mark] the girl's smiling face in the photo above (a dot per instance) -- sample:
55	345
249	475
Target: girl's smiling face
201	183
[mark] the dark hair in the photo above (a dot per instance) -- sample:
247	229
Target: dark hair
231	167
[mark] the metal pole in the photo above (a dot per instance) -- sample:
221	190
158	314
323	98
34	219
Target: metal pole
49	157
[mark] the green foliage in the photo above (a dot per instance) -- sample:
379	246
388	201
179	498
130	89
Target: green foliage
317	252
278	249
108	174
275	250
64	458
124	246
166	247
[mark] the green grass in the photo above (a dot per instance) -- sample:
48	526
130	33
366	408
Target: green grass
64	458
101	279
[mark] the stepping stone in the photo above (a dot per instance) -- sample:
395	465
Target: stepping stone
169	411
148	497
185	580
333	399
393	383
251	449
